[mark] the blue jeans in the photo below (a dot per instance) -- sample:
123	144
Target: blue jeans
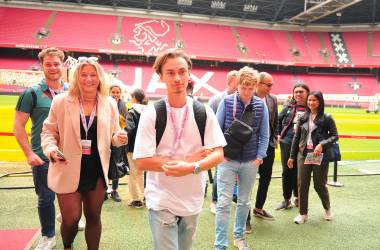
172	232
246	173
46	197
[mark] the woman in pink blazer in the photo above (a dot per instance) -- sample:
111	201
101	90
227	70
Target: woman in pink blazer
77	137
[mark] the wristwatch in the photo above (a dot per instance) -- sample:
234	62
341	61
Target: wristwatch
197	168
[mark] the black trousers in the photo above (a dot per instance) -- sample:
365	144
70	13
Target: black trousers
289	175
265	172
215	187
320	180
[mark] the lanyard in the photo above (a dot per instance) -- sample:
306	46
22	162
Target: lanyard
178	129
234	107
83	117
52	92
310	125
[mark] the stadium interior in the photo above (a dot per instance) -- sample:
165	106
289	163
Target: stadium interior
330	45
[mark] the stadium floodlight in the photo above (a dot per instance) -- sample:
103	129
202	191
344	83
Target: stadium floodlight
185	2
218	4
250	7
322	9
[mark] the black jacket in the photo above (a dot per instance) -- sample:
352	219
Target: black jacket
325	133
131	125
271	102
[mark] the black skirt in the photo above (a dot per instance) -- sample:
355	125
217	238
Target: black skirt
91	166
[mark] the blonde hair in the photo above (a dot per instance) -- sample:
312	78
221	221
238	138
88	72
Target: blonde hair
75	88
51	52
231	75
170	53
247	76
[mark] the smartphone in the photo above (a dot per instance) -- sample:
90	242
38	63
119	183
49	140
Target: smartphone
60	154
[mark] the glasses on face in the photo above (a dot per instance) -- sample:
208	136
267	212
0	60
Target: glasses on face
87	59
269	85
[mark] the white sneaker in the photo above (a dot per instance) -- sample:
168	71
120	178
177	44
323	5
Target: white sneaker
328	214
81	224
241	244
59	218
213	207
300	219
46	243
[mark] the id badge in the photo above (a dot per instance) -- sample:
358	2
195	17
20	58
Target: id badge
86	147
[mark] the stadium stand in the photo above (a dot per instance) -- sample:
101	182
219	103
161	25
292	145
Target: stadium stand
21	63
126	35
147	36
137	36
319	47
256	41
19	27
299	42
72	31
358	46
211	80
375	44
217	41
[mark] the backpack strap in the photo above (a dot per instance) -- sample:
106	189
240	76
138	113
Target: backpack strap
200	118
161	115
34	98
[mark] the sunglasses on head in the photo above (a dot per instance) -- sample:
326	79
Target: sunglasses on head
87	59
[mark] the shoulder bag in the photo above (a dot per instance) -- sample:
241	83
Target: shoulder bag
118	166
239	133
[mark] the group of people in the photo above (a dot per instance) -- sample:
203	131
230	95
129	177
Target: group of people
129	120
175	140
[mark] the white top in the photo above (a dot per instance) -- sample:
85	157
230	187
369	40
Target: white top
182	196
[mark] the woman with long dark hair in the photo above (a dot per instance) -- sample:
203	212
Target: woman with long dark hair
115	92
315	133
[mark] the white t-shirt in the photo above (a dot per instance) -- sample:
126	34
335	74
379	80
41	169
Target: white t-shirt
182	196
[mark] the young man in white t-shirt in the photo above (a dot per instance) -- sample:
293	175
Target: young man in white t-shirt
176	166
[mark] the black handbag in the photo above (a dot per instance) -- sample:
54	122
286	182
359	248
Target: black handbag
118	166
238	134
334	152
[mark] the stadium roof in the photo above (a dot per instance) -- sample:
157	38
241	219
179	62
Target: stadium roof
299	12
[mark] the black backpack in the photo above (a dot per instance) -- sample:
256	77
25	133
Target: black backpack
161	117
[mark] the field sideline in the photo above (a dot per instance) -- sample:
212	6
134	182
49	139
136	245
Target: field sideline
355	224
354	206
349	122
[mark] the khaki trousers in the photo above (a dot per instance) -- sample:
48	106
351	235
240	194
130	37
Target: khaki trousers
136	180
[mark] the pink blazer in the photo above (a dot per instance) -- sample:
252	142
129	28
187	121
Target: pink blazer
61	130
